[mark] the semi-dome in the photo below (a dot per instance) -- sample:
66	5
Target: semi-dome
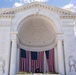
36	31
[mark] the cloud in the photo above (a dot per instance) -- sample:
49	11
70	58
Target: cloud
17	4
71	6
29	1
22	2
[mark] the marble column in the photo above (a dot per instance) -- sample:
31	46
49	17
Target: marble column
13	56
30	62
56	59
45	63
18	59
60	57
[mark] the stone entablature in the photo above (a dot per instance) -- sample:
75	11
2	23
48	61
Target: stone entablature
63	13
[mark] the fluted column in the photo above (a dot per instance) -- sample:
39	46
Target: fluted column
45	63
13	55
56	59
30	62
18	59
60	57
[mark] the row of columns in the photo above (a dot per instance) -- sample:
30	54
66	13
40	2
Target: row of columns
14	52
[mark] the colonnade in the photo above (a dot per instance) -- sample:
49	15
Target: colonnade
14	55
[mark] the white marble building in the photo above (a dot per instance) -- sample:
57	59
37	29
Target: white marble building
48	27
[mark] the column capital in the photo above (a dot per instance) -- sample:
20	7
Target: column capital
13	35
60	37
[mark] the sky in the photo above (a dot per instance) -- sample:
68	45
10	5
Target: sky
58	3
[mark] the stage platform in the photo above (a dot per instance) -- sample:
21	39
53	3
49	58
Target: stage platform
37	74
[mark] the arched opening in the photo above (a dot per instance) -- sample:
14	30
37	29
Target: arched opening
36	40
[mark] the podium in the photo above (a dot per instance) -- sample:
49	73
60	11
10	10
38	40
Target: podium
37	70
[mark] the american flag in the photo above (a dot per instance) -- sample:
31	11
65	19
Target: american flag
37	60
50	59
24	60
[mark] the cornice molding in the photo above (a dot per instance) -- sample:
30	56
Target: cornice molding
10	12
9	16
68	17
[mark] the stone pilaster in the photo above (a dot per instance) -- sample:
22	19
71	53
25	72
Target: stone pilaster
60	56
13	54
